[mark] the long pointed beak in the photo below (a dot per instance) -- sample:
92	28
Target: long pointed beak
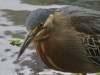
28	39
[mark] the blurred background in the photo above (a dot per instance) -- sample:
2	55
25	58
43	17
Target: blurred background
13	15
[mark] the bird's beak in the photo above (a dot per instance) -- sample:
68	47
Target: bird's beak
29	37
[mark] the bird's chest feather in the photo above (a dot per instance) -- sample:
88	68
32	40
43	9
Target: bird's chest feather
59	55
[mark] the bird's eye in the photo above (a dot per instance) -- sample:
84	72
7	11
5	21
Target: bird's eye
40	25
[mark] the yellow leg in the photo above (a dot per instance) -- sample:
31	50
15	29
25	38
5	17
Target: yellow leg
79	74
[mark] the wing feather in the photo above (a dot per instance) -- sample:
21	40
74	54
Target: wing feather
84	20
87	23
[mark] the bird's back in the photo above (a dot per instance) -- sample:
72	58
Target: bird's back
87	23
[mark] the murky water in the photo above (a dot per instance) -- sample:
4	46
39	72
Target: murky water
13	14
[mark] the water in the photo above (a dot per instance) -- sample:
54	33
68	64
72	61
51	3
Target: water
13	14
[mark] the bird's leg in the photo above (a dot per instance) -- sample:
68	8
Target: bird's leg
81	74
84	73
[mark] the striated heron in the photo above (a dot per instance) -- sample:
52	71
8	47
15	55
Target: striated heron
66	39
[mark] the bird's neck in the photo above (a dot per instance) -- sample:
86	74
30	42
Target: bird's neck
42	35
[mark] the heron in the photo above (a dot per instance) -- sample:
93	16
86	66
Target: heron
67	39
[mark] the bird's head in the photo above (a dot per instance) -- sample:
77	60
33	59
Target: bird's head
34	24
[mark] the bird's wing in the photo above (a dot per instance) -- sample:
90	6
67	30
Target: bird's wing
84	20
89	28
87	23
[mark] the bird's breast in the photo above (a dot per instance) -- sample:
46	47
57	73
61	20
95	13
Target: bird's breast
44	50
55	55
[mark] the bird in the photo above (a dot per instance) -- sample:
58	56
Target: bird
67	39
